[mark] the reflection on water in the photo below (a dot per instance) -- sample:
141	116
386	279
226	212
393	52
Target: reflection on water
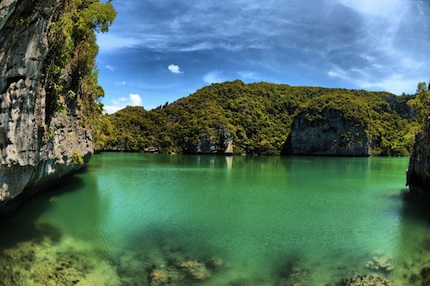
155	219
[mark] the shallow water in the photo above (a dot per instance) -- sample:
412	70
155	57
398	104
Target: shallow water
272	221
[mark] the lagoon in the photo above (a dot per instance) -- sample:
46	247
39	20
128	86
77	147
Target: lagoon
130	218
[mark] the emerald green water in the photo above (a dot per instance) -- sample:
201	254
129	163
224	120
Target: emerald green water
260	215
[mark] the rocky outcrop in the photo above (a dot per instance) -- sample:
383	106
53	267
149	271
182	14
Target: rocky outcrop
399	104
35	150
221	143
418	172
365	280
328	133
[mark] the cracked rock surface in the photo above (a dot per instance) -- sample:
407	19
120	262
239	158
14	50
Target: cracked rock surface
34	152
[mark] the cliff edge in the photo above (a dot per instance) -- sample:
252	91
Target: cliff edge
333	136
331	125
38	144
418	172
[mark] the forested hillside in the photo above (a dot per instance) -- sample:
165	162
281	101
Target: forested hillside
256	118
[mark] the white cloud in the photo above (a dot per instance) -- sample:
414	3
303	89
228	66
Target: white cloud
174	69
109	109
133	99
384	8
120	83
112	69
109	42
353	43
213	77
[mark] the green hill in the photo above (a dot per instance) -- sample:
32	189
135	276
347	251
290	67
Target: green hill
257	119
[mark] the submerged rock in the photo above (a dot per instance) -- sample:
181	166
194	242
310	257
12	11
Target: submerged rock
44	263
365	280
172	253
425	275
380	263
165	276
194	269
215	263
295	275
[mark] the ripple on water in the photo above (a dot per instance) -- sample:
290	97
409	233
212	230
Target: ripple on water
134	219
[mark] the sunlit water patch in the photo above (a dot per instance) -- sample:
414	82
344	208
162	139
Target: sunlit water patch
214	220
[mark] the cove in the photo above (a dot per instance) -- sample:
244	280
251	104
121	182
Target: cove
266	220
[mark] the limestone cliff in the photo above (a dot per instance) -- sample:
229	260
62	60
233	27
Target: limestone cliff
221	143
418	173
333	136
335	124
36	148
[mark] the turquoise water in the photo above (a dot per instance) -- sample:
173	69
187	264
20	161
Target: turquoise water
262	216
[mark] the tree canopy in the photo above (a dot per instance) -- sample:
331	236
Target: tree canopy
70	72
259	117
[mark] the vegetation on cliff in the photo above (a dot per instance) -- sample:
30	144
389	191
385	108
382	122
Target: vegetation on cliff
258	117
70	74
418	174
421	106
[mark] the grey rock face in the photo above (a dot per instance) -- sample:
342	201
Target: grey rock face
33	152
222	143
334	136
418	172
401	106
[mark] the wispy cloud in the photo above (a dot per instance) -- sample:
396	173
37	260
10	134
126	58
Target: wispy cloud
388	55
380	8
111	42
110	68
248	75
174	69
213	77
395	83
380	45
119	83
339	73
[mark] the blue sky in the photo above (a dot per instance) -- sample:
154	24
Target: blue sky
160	50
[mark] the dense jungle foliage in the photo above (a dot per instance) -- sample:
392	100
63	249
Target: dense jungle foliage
421	107
258	117
70	75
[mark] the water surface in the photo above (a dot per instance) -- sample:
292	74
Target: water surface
271	220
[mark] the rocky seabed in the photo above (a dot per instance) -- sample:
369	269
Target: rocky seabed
56	259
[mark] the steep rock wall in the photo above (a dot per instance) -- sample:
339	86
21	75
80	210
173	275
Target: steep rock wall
418	172
333	136
222	143
35	151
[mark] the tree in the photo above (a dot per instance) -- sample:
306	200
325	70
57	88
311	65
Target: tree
258	118
421	87
421	105
70	75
